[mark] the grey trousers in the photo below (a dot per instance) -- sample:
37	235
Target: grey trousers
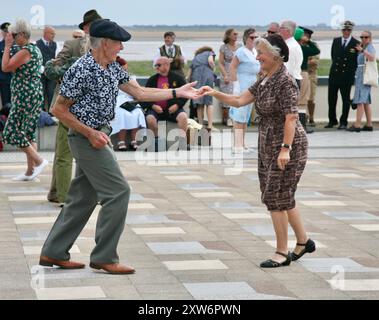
98	179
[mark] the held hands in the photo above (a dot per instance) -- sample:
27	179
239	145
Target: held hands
283	159
188	91
98	139
206	91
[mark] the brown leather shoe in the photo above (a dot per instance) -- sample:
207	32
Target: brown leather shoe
49	262
113	268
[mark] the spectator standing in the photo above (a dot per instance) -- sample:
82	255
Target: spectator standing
362	95
287	31
273	28
172	51
243	72
48	48
227	52
309	49
313	63
202	71
5	77
342	74
27	97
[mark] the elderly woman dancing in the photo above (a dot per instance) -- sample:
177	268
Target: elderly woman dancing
27	97
283	145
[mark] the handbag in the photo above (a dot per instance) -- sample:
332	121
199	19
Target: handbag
370	75
129	106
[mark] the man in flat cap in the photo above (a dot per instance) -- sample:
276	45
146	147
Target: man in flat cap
342	74
72	50
5	77
86	105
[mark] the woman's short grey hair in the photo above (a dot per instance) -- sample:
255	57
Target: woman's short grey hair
290	26
95	42
21	26
270	48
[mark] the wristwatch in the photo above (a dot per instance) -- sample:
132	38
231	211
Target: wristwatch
287	146
174	94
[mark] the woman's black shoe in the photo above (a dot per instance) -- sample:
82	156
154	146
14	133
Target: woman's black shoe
310	247
274	264
366	128
353	129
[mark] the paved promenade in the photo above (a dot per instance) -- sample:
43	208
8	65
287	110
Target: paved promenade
199	231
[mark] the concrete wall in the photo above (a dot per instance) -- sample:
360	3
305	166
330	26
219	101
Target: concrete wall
321	112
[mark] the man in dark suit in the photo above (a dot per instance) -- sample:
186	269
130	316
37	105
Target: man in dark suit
5	78
169	110
342	74
48	48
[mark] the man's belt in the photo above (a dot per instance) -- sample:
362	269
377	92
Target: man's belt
106	128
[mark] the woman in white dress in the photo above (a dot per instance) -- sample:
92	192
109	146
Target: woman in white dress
125	121
243	72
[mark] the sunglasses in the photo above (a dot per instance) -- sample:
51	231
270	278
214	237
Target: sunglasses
270	32
253	37
158	65
364	37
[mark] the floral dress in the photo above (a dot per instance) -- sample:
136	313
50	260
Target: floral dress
274	99
228	57
27	101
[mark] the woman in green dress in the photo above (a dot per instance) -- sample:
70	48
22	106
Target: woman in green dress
27	97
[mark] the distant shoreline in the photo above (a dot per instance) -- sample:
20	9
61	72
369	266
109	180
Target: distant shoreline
63	34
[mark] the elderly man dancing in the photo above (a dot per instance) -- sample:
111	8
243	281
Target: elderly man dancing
86	105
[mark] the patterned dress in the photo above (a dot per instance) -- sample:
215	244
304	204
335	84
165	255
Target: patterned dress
275	98
362	92
27	101
228	57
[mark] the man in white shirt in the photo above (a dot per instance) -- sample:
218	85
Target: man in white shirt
287	31
173	52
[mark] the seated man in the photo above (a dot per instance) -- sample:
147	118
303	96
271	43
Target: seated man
169	110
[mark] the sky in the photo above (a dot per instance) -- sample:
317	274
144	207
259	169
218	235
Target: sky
193	12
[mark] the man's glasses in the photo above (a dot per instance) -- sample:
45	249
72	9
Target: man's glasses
271	32
364	37
158	65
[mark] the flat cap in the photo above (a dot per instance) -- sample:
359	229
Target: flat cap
106	28
348	25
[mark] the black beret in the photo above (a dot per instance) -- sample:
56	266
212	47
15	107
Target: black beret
5	26
105	28
277	41
306	30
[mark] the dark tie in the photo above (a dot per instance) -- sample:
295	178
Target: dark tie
344	43
171	52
